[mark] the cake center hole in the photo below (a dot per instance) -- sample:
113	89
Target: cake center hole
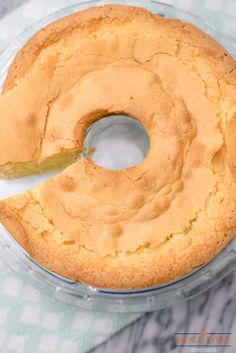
117	142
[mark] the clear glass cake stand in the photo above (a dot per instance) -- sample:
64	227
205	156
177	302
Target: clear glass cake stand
89	297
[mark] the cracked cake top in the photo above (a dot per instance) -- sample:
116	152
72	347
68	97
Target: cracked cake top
139	226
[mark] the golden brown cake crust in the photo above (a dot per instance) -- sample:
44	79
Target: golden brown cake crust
143	225
63	27
93	17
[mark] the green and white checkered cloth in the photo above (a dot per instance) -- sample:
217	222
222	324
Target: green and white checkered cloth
30	322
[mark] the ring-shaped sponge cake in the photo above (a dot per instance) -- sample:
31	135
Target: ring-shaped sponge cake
121	228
